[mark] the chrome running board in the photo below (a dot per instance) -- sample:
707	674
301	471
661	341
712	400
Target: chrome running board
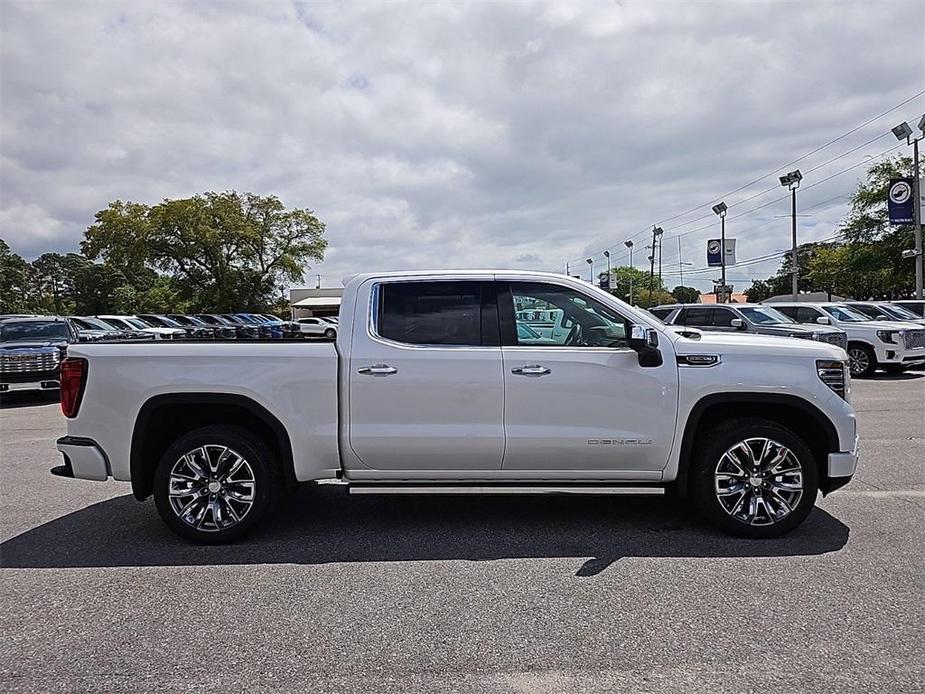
503	489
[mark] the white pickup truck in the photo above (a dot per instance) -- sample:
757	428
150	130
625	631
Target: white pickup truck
428	390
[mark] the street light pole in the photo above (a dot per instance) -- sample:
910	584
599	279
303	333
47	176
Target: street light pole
590	262
720	209
629	244
792	181
903	130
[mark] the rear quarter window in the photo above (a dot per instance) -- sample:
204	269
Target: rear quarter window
431	313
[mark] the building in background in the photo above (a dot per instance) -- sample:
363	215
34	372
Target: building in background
319	302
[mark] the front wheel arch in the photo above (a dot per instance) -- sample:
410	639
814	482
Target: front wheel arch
790	411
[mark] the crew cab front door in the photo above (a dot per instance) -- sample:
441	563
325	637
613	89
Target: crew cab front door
426	389
583	403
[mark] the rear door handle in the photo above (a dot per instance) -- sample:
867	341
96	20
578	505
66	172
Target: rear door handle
377	370
532	370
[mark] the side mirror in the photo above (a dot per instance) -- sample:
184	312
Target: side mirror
822	320
737	323
644	341
881	316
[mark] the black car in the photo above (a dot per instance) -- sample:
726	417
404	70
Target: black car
31	350
93	330
242	331
157	320
218	332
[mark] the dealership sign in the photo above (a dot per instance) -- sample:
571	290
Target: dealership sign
715	257
901	201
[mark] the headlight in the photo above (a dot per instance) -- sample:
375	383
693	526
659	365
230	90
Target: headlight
888	336
836	375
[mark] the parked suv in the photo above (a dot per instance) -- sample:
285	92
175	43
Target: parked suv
917	307
317	327
31	350
887	345
883	310
749	318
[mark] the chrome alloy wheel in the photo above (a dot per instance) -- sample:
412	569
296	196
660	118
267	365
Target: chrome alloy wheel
211	488
758	481
858	361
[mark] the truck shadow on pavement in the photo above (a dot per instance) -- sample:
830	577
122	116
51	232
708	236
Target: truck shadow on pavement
319	525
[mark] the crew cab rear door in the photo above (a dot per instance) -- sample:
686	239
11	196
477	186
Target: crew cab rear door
424	376
583	403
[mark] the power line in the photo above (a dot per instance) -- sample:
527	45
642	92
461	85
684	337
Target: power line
771	173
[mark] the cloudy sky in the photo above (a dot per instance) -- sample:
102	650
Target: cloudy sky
451	134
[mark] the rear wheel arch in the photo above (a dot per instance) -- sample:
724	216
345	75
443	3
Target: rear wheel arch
165	418
795	413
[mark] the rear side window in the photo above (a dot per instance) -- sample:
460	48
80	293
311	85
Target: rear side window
431	313
789	311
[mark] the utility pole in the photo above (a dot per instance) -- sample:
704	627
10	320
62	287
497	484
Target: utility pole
656	233
680	264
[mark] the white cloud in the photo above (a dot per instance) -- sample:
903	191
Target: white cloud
449	134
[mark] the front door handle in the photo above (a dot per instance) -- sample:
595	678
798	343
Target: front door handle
377	370
532	370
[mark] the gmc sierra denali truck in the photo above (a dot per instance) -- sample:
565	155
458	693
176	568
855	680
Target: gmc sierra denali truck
429	389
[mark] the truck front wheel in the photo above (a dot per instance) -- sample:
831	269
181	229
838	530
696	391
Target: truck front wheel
861	360
215	484
754	478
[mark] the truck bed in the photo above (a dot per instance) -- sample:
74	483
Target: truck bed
294	380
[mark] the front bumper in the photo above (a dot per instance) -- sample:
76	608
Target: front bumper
844	464
83	459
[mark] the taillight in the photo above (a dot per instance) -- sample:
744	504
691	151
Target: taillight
73	379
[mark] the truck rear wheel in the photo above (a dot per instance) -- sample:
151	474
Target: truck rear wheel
215	484
754	478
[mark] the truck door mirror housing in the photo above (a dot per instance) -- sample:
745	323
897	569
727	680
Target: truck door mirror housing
644	341
822	320
737	323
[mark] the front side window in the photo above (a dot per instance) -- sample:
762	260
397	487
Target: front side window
431	313
722	318
696	317
579	320
807	315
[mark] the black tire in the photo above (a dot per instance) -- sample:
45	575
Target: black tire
712	449
862	360
261	471
330	334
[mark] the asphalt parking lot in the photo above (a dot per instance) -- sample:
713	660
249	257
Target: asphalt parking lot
520	594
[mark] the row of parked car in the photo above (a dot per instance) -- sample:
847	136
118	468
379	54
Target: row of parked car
31	347
201	326
875	334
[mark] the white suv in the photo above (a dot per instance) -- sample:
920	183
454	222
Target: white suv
872	344
317	327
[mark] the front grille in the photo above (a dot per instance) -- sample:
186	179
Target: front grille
28	363
837	339
915	339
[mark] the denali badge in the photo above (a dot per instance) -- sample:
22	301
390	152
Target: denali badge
619	442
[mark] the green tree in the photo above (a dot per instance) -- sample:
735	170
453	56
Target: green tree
624	276
685	295
13	281
53	282
224	251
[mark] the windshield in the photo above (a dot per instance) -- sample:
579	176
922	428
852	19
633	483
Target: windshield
245	319
137	323
33	330
169	322
91	323
764	315
898	312
843	313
